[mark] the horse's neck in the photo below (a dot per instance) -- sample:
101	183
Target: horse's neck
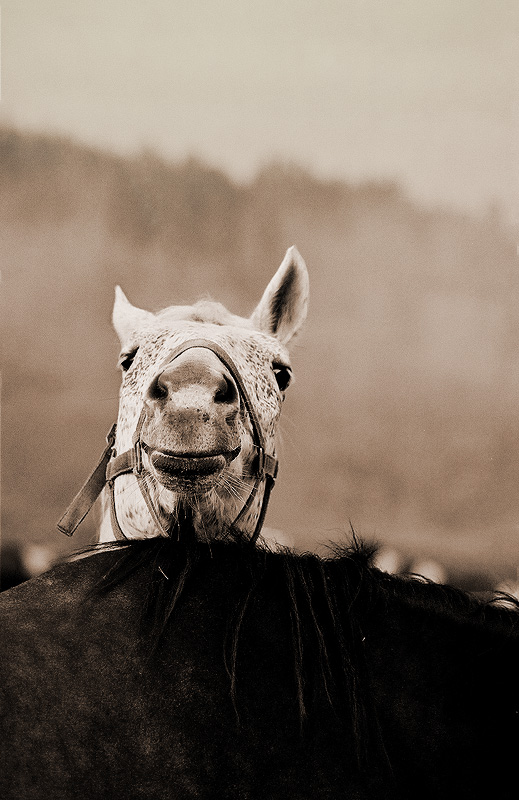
104	529
271	537
135	522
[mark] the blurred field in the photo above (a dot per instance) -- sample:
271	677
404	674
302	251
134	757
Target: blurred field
403	416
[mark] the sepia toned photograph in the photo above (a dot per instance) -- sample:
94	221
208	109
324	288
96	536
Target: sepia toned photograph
259	400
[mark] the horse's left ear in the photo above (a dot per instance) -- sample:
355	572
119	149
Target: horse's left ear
127	319
282	309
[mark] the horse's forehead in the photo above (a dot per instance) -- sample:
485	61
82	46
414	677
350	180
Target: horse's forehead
205	312
207	320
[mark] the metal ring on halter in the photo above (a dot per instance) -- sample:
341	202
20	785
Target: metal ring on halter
108	469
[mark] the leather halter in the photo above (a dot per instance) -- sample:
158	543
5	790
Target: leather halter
110	465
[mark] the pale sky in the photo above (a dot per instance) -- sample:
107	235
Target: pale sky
423	92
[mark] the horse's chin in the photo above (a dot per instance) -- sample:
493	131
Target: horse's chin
186	486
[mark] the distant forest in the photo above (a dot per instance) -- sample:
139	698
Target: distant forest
403	419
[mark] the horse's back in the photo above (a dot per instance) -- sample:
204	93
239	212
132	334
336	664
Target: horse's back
89	712
99	701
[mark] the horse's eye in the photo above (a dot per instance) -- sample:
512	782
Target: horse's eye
283	376
126	359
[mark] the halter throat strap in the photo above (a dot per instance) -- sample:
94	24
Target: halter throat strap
111	466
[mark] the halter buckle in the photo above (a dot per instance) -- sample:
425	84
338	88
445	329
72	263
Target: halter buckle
110	436
266	464
261	460
137	457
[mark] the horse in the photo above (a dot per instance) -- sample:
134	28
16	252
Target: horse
199	406
185	656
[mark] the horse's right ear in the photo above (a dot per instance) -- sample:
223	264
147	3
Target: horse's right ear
282	309
127	319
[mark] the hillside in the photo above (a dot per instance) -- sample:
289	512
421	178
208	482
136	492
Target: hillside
403	417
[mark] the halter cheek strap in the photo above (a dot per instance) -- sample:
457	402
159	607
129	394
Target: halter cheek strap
110	466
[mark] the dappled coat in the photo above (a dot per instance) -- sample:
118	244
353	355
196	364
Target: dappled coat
167	669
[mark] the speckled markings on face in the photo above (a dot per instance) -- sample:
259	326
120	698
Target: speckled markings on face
189	410
253	354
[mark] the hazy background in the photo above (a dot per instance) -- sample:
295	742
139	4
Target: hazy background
179	148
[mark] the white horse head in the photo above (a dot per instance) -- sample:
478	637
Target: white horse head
197	382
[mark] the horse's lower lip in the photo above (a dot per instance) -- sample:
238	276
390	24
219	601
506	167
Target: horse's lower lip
190	466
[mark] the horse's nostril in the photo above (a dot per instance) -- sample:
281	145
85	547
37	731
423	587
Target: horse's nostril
226	391
157	390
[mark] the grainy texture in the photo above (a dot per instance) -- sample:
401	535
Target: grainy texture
268	675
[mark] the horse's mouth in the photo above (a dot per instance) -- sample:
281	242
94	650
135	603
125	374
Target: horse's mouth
190	471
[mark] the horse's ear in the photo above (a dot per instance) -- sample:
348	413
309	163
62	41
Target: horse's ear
282	309
127	319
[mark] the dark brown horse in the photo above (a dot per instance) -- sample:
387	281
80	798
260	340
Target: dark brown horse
181	669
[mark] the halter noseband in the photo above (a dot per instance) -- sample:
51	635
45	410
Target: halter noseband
110	465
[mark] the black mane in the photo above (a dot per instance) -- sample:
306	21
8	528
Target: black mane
351	564
326	601
326	644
